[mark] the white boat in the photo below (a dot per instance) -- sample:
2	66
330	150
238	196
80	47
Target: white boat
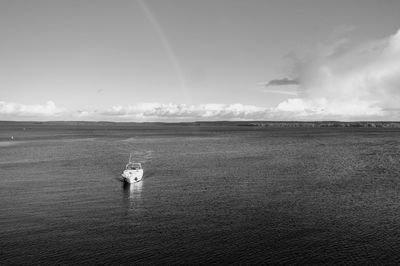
133	172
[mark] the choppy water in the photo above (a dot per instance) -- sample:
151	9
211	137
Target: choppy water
209	195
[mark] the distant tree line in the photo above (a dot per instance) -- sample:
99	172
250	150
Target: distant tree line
272	124
364	124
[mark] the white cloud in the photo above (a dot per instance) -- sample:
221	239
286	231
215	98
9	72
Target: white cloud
362	83
23	110
335	84
183	112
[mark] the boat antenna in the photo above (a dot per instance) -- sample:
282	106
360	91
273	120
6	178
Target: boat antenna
130	157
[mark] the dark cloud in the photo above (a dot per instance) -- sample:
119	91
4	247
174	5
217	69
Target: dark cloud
282	82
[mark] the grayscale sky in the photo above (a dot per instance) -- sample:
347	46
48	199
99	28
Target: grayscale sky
185	60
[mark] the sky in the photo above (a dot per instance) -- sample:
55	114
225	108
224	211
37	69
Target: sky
191	60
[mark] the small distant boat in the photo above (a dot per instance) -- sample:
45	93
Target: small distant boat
133	171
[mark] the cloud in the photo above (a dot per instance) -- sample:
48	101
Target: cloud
9	109
286	86
281	82
183	112
342	30
362	83
284	92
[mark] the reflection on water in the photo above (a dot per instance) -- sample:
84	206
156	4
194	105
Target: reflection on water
132	194
135	190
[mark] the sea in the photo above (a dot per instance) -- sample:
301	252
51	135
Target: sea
211	194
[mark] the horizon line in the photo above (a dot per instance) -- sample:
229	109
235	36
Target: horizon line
202	121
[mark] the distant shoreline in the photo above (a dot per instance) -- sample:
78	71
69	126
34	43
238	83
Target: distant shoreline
263	124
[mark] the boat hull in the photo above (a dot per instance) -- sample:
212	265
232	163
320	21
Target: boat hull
133	176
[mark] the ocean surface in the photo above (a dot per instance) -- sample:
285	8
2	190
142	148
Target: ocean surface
210	194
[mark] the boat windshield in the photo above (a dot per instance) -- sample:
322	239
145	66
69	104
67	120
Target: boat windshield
133	166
